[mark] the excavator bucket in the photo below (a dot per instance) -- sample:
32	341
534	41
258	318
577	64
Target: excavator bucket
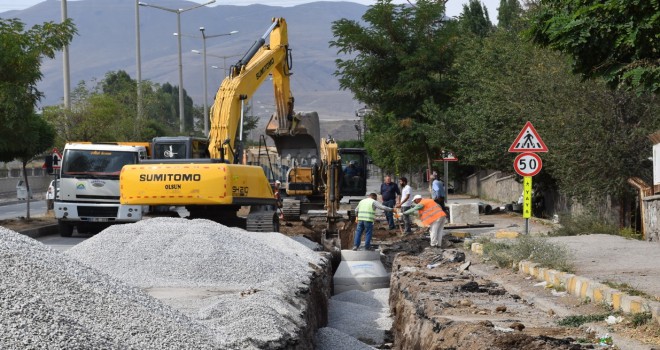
297	139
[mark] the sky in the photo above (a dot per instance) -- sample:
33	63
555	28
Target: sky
454	7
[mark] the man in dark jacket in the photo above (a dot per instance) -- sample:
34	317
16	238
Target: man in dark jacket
389	191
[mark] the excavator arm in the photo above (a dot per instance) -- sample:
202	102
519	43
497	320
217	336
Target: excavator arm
245	78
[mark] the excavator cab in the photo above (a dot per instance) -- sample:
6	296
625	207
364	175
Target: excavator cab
354	172
179	147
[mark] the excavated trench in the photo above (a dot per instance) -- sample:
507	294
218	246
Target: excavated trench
436	302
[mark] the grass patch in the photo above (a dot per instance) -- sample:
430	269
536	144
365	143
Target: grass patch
578	320
589	224
640	319
536	249
628	289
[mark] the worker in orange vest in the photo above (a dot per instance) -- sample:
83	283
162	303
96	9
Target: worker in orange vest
431	215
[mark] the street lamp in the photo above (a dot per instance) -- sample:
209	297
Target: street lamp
178	31
206	108
224	60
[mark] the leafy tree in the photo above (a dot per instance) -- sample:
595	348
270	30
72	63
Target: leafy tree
21	52
508	13
596	137
618	40
91	117
474	18
23	134
107	111
400	61
170	97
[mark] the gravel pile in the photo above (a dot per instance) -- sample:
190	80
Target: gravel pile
328	338
261	275
174	252
358	316
49	300
256	319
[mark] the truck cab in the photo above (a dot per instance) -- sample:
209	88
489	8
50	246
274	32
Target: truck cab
88	198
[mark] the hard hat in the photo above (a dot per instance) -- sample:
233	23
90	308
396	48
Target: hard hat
278	182
417	196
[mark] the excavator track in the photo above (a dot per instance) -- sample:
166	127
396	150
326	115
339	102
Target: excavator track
263	221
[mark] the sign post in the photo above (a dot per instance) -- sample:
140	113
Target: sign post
53	161
528	164
527	198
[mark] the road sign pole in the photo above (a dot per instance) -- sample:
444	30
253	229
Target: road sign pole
527	201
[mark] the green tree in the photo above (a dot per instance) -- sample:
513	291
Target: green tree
21	52
596	137
618	40
474	18
23	134
91	117
508	13
399	61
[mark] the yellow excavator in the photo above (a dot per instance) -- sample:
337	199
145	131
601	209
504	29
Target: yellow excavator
218	187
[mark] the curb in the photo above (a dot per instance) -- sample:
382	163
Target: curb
593	291
584	288
40	231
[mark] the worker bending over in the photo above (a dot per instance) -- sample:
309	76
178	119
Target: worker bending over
431	215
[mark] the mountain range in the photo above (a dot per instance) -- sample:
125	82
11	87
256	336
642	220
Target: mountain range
106	41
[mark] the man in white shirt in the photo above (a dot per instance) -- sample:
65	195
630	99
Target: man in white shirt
405	203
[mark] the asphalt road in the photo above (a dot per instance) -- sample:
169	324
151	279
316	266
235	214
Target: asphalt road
14	209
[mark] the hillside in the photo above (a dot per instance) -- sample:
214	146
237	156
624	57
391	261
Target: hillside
106	41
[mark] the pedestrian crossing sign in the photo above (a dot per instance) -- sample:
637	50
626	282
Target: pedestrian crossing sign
528	140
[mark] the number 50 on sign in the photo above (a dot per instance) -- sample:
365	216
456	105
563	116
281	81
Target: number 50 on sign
527	164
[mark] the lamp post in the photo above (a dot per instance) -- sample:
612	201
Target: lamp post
178	32
206	108
138	59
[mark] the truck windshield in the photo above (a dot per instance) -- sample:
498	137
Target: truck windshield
95	163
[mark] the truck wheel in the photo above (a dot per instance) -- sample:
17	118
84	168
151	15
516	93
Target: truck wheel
65	228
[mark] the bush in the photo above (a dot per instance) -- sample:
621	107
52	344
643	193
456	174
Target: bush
536	249
583	225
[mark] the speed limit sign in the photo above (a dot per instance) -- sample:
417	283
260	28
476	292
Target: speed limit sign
527	164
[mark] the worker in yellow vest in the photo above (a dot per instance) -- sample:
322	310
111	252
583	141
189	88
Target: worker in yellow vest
366	213
432	215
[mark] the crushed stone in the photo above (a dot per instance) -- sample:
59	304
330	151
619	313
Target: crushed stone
261	275
50	300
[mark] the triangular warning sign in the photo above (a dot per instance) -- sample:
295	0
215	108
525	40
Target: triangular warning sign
528	141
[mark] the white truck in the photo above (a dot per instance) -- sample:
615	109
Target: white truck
89	186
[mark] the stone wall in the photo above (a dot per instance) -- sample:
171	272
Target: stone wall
494	186
504	188
651	221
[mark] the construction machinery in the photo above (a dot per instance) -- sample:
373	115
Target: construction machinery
216	188
88	190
